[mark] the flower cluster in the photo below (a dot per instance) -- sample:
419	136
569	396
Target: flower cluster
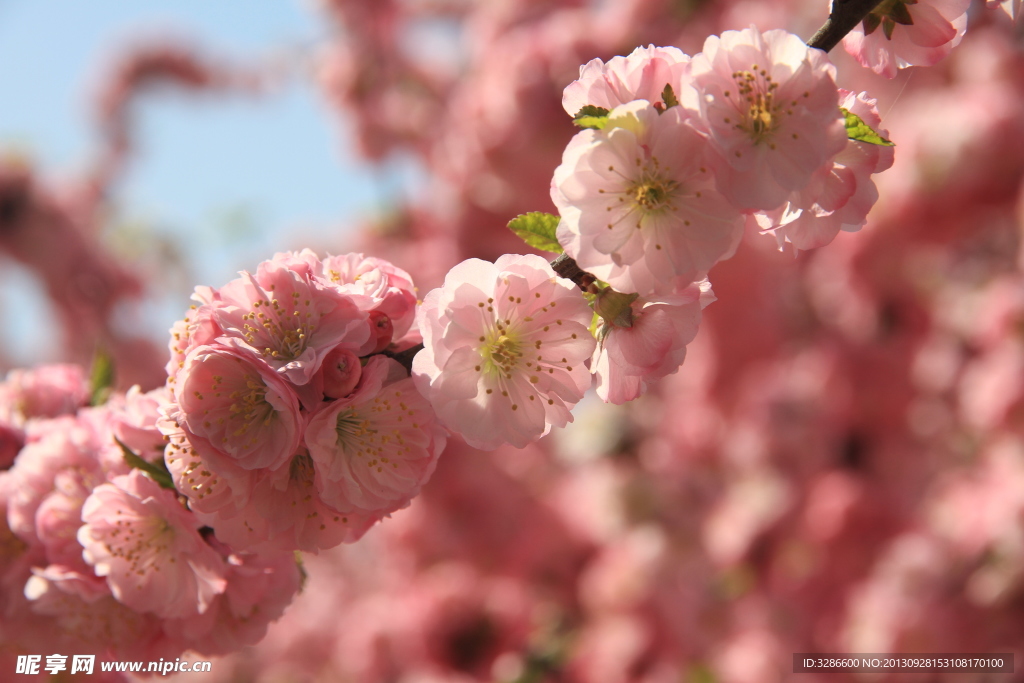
749	131
285	429
96	555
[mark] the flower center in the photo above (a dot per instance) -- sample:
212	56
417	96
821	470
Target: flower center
250	406
653	193
352	430
301	469
282	330
501	353
757	93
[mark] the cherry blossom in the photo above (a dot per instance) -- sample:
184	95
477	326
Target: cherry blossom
902	33
289	319
627	358
235	408
505	350
838	197
642	75
638	201
149	548
771	109
375	448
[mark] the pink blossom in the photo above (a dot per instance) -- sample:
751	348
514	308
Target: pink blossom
642	75
133	419
197	328
228	489
627	358
389	288
638	201
770	106
287	502
45	391
236	408
838	197
901	34
148	546
505	350
258	587
290	320
375	448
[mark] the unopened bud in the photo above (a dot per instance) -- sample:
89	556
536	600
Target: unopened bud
341	371
380	325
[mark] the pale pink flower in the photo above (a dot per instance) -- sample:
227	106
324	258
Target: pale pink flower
290	320
838	197
389	288
627	358
226	490
296	517
898	34
235	408
45	391
505	350
642	75
148	546
374	449
258	588
133	419
197	328
96	623
638	201
770	107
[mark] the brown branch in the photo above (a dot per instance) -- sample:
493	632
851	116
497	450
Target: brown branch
846	14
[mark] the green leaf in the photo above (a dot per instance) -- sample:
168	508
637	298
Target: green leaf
595	122
591	110
856	129
668	96
537	229
590	116
101	378
157	473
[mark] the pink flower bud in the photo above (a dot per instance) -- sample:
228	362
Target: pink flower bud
341	372
380	325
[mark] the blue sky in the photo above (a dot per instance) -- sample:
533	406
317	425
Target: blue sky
276	167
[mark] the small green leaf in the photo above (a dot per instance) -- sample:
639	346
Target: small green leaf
856	129
668	96
157	473
101	378
537	229
595	122
591	110
590	116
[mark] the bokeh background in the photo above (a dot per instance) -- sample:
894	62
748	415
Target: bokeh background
838	467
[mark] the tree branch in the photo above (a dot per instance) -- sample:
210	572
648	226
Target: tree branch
845	15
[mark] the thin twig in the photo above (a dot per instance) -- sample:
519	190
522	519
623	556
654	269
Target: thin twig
845	15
